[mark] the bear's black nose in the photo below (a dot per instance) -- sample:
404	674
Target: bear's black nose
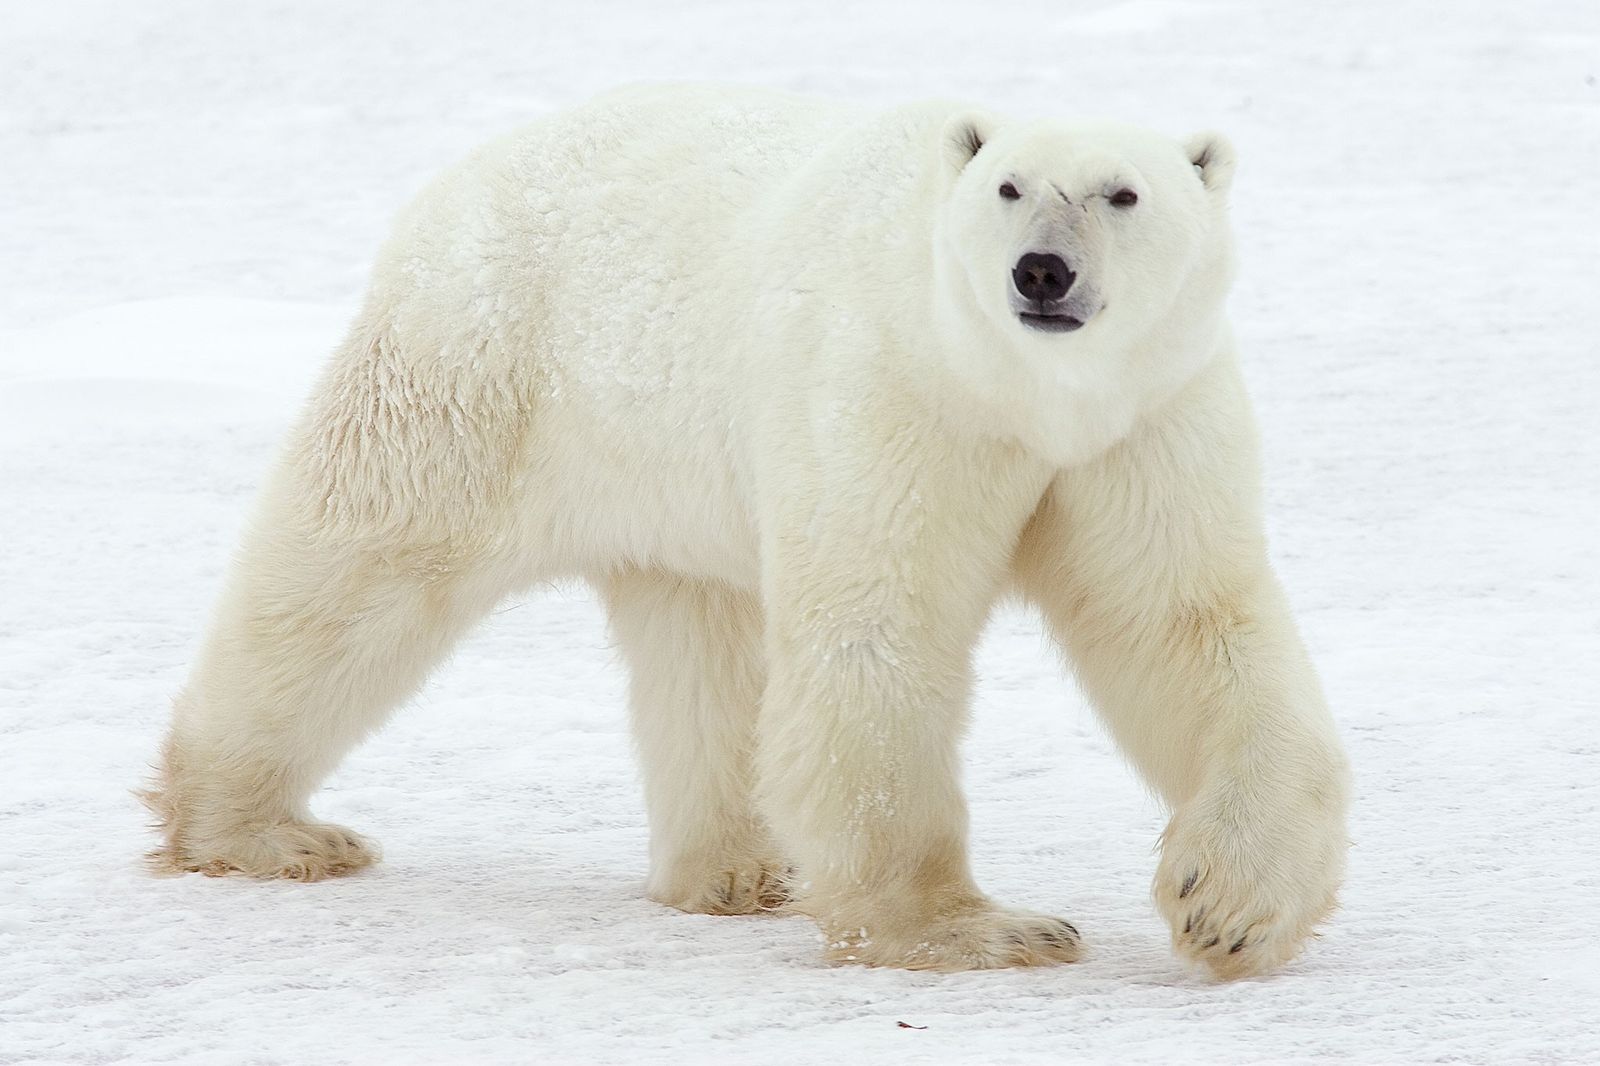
1041	276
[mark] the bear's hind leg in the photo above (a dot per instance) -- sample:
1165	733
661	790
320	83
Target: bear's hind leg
383	535
315	642
695	654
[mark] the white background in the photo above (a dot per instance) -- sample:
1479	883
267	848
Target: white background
190	194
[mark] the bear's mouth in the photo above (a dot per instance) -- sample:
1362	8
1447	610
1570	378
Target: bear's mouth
1050	323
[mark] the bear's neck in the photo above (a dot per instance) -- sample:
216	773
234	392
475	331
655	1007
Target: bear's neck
1065	406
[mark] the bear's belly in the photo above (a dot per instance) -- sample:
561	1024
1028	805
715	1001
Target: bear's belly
613	480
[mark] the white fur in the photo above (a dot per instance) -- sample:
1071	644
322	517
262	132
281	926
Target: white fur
749	363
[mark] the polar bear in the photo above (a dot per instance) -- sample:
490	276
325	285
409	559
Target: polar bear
802	390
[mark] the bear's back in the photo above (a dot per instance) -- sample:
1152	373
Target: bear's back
591	218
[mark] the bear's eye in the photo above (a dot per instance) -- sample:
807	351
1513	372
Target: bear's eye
1009	191
1124	197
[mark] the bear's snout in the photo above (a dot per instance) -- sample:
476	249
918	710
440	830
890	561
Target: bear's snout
1042	277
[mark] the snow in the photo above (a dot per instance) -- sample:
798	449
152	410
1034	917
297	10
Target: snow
189	196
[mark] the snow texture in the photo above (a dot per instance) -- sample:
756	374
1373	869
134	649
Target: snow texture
189	196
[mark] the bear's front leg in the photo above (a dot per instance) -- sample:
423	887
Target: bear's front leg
878	581
1151	568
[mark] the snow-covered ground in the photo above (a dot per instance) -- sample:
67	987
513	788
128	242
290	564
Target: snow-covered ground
189	195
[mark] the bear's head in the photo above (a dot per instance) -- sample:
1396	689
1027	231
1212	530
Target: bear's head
1068	238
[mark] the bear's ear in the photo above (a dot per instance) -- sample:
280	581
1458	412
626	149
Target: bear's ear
963	136
1213	158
